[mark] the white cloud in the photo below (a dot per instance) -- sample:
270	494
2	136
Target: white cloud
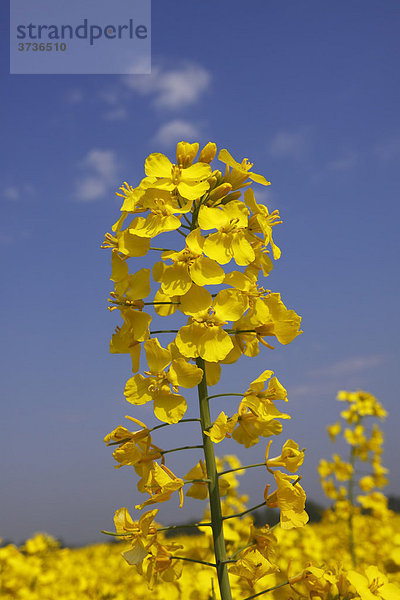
11	193
74	96
389	149
286	144
349	161
100	172
16	192
176	131
116	114
172	89
349	366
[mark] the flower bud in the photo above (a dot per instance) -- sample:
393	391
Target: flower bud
185	153
208	153
220	191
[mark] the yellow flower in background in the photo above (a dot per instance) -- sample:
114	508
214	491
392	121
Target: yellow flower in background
334	430
199	489
342	470
190	182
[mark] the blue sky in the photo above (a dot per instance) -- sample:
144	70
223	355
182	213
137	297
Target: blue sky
310	93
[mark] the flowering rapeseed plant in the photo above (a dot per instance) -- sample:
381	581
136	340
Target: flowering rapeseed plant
227	242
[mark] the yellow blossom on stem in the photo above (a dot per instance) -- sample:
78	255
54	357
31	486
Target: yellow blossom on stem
222	427
240	171
168	405
291	457
191	182
290	499
204	336
142	533
232	239
261	221
162	484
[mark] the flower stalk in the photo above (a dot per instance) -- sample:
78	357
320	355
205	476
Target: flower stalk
213	488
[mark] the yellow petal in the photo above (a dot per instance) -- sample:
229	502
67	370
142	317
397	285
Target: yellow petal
241	249
139	322
169	407
176	280
186	339
195	242
184	374
171	306
136	554
158	165
214	344
212	218
153	225
136	390
193	191
119	267
139	286
157	357
230	305
196	172
135	357
196	300
239	281
218	247
205	271
133	245
213	372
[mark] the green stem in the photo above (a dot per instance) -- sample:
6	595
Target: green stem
241	468
244	512
164	331
168	424
161	249
180	448
213	488
233	557
220	395
114	533
197	480
194	560
172	527
271	589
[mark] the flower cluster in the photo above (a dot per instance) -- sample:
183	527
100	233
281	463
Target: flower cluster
213	281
